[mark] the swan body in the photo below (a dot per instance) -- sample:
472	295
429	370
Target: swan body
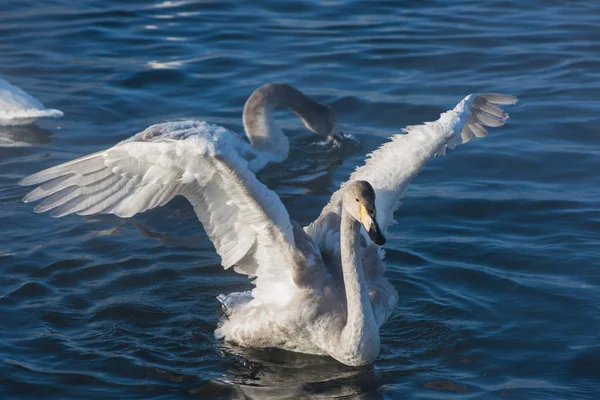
20	108
319	290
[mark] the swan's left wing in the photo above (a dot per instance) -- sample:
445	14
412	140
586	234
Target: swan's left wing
392	167
246	221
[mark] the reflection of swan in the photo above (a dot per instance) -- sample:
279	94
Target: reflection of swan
273	374
319	293
20	108
21	136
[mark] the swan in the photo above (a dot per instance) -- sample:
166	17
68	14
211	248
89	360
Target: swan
319	290
268	143
20	108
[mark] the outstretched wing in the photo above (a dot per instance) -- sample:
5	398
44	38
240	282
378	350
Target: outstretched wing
392	167
246	221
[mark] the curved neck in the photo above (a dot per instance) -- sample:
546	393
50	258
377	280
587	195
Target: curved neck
361	333
260	126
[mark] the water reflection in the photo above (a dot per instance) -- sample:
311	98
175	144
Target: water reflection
23	136
279	374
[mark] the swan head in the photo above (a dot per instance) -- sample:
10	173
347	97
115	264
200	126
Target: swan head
323	122
359	202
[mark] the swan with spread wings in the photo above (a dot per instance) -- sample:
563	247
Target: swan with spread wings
319	290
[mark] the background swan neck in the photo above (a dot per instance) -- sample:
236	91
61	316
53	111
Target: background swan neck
361	333
260	126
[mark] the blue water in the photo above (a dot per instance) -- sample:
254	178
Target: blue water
495	253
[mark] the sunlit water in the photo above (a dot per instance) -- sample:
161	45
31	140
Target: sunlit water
495	254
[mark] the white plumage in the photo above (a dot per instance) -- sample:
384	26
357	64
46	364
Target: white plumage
391	168
19	108
320	290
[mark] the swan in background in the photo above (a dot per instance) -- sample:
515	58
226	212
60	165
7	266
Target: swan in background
20	108
268	143
319	290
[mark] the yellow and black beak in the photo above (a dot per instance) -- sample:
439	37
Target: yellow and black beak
369	221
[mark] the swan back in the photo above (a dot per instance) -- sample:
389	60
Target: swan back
19	108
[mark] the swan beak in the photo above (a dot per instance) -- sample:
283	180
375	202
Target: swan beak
369	221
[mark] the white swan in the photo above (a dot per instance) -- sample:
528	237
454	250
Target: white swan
320	291
20	108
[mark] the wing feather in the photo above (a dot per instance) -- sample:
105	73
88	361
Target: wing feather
83	165
247	222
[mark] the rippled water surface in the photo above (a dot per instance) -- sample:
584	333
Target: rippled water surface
495	254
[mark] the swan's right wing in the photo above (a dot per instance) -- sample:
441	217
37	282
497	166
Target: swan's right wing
246	221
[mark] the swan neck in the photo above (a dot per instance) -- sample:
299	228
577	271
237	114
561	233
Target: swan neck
260	126
361	332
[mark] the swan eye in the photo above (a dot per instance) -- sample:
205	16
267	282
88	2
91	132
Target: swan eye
357	199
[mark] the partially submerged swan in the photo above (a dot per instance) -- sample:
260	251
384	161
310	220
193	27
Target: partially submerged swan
20	108
321	290
268	143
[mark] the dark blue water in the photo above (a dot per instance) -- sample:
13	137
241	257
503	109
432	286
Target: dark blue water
495	255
